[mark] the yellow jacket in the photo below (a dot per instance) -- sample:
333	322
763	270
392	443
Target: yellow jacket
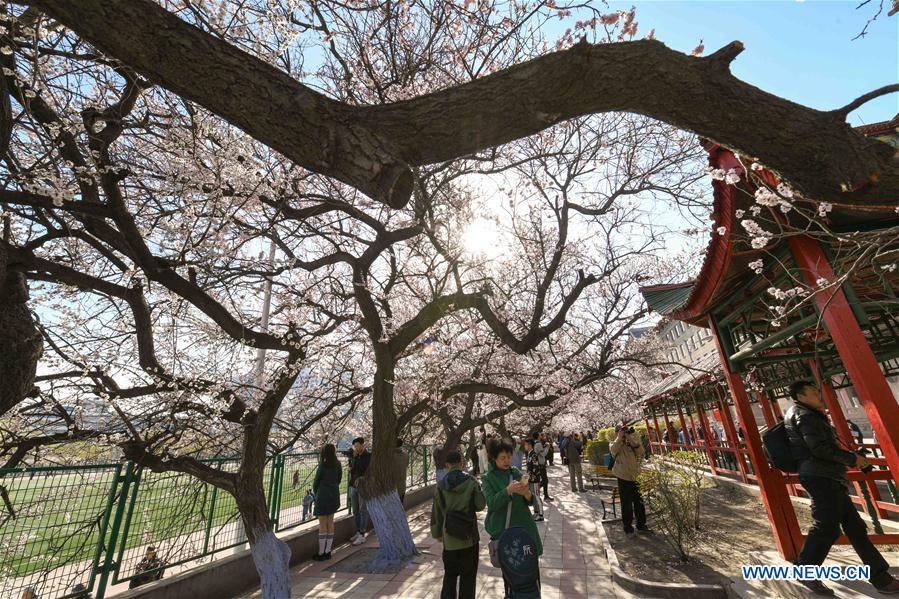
628	454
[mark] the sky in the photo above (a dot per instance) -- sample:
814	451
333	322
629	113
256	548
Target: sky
799	50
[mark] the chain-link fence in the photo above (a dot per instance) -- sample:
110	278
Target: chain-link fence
61	527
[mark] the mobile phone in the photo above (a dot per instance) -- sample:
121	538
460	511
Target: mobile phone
525	478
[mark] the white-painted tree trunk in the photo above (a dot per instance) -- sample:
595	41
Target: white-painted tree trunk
272	559
392	527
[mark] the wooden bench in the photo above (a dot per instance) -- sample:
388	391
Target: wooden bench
600	473
612	501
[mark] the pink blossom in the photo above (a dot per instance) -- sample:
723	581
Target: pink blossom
610	19
698	50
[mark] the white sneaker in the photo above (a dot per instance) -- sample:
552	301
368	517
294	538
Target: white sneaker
358	539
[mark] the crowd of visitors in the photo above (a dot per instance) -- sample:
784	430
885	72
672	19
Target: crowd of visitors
507	476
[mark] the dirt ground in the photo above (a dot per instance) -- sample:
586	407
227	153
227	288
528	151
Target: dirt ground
734	525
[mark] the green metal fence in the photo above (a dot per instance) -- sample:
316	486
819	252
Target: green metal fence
90	525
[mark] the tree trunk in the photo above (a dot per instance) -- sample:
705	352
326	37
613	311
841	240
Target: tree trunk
503	430
22	344
383	503
270	555
453	438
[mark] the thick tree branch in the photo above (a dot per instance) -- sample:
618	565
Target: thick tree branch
373	147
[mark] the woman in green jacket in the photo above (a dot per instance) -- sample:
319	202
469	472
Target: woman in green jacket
326	488
500	491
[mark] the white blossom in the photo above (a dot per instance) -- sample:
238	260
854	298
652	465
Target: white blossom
779	294
766	197
784	190
757	265
718	174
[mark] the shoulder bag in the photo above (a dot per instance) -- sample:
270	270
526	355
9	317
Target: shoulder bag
459	524
493	546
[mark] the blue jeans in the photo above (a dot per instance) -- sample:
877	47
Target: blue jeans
360	514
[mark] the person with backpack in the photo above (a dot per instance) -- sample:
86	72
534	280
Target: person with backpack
454	523
628	452
544	453
513	532
821	463
535	477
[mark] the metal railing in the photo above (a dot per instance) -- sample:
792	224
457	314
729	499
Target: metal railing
62	526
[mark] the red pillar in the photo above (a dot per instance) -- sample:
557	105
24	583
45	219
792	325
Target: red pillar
683	424
766	409
770	421
777	411
843	432
669	430
707	436
648	432
696	440
659	439
781	515
733	439
862	367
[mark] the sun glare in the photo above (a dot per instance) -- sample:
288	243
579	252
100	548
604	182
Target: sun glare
481	239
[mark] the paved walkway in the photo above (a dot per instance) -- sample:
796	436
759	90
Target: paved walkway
573	565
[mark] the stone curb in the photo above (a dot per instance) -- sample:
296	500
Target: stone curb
665	590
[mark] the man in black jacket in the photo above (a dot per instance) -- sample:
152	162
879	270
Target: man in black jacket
360	458
822	472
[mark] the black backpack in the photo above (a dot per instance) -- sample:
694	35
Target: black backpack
778	451
458	524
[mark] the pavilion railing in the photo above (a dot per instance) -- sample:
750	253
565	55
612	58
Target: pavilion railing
62	526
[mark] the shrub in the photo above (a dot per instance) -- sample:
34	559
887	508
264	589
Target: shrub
672	491
596	449
606	434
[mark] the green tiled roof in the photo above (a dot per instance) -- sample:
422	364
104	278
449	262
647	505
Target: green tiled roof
667	300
